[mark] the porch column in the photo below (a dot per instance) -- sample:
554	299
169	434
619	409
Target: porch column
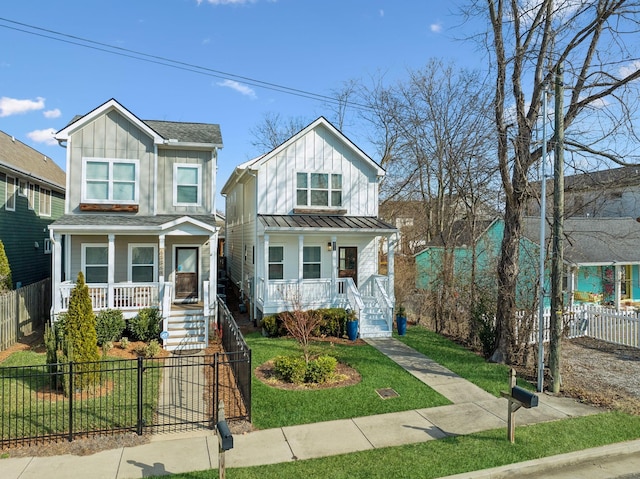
300	258
56	274
334	268
391	256
213	267
265	274
161	291
111	273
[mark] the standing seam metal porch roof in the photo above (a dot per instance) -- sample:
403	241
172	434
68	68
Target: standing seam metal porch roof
332	222
126	221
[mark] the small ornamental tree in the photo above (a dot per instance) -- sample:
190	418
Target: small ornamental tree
81	337
301	324
6	283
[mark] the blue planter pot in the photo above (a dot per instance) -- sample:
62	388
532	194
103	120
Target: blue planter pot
401	323
352	330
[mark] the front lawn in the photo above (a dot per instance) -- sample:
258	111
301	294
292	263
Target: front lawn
272	407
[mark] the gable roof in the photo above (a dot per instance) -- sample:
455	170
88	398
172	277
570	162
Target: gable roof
255	163
593	241
162	132
30	163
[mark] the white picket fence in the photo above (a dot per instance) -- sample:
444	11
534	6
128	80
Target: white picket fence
598	322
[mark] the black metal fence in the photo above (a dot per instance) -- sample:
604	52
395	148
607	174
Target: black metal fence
237	360
71	400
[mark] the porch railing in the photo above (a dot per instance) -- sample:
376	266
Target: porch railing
124	296
286	291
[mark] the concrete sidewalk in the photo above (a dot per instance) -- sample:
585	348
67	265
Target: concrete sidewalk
472	410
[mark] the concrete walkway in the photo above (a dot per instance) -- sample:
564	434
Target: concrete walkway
472	410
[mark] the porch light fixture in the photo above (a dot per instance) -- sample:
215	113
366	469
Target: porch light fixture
329	246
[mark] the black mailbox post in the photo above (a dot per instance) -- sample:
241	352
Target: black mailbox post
225	439
517	397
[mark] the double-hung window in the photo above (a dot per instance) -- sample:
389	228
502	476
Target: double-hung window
276	262
109	180
311	258
318	189
32	196
45	202
95	262
10	193
186	184
142	263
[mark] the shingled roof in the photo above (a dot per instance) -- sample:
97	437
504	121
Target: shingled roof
593	240
30	163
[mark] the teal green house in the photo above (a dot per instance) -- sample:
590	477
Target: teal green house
601	260
479	246
32	190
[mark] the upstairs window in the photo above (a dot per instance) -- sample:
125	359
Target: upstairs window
276	262
45	202
311	258
318	189
32	196
10	193
110	181
186	185
95	262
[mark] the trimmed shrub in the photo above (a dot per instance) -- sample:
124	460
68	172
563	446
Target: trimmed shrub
110	325
321	369
273	326
146	325
291	369
6	283
333	323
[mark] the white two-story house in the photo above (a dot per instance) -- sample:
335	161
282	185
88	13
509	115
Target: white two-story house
140	219
302	230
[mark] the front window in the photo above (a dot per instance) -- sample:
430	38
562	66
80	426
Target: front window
318	189
311	262
95	260
45	202
110	181
186	185
10	194
142	263
32	196
276	262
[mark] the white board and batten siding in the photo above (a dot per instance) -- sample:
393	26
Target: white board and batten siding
319	151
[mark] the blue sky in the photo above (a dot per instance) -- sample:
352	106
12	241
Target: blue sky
310	45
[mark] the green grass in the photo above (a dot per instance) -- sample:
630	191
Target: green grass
491	377
272	407
29	410
453	455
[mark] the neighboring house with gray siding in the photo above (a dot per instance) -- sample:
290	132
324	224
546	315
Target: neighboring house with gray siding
32	188
140	219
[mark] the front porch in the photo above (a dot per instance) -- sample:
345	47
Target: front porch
371	302
185	326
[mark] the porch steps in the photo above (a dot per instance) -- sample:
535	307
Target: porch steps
372	321
186	331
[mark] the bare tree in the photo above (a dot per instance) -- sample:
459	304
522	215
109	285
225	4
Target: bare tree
274	130
597	42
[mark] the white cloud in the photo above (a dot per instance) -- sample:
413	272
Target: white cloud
55	113
239	87
381	12
43	136
435	27
227	2
627	70
13	106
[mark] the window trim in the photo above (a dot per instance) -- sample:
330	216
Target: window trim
269	262
110	199
10	195
319	262
309	189
31	197
130	264
47	245
83	259
198	168
44	193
